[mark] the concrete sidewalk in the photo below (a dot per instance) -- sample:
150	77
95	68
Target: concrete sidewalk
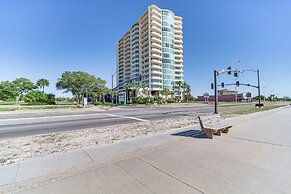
255	157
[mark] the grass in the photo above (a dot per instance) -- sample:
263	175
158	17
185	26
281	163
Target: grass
223	104
65	103
37	107
233	113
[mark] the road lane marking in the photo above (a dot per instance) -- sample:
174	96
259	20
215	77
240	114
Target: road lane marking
126	117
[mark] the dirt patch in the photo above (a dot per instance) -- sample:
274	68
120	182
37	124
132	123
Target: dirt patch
15	149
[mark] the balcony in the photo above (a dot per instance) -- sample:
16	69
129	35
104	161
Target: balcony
155	28
178	55
157	71
157	24
156	17
145	53
179	70
156	50
157	40
156	56
180	60
156	83
157	76
144	24
145	45
176	27
178	46
143	18
144	33
155	11
156	61
177	22
156	66
155	34
178	41
153	44
178	36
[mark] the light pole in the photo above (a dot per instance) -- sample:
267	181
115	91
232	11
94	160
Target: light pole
112	100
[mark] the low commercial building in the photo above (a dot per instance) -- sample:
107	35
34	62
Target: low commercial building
227	96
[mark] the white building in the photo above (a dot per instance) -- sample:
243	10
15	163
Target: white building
151	52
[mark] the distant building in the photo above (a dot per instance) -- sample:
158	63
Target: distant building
151	52
227	96
226	92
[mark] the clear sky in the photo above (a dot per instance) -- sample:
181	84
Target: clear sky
44	38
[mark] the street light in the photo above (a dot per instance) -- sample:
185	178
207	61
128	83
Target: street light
216	73
112	101
259	87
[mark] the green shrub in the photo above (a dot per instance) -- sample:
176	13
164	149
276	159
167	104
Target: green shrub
171	100
37	97
147	100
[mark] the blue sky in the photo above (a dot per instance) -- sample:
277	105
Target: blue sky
42	39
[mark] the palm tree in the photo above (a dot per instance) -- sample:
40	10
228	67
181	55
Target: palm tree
143	86
186	90
41	83
134	86
126	88
165	92
179	83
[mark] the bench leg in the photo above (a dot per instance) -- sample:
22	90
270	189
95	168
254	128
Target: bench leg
218	133
209	134
225	130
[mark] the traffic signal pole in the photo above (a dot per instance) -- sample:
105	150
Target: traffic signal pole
215	93
259	87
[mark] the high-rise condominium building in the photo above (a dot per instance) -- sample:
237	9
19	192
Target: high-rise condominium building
150	53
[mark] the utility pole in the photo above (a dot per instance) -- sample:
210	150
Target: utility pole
215	93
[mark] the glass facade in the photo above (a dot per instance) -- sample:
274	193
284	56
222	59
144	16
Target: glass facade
168	58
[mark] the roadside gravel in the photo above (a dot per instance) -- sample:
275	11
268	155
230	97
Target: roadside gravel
15	149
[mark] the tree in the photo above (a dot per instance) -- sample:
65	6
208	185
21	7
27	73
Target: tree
126	87
165	92
99	90
186	90
6	90
38	97
79	83
41	83
179	83
134	87
143	86
21	86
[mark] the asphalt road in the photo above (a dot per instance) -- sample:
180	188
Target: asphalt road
18	125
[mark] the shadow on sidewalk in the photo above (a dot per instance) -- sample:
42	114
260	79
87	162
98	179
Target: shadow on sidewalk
192	133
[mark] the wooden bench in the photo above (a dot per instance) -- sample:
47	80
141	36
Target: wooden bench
210	131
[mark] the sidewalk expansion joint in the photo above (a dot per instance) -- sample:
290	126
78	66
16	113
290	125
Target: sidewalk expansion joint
177	179
88	155
261	142
135	178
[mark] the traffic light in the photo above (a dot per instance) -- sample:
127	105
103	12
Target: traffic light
235	74
212	86
222	84
139	77
229	68
237	83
